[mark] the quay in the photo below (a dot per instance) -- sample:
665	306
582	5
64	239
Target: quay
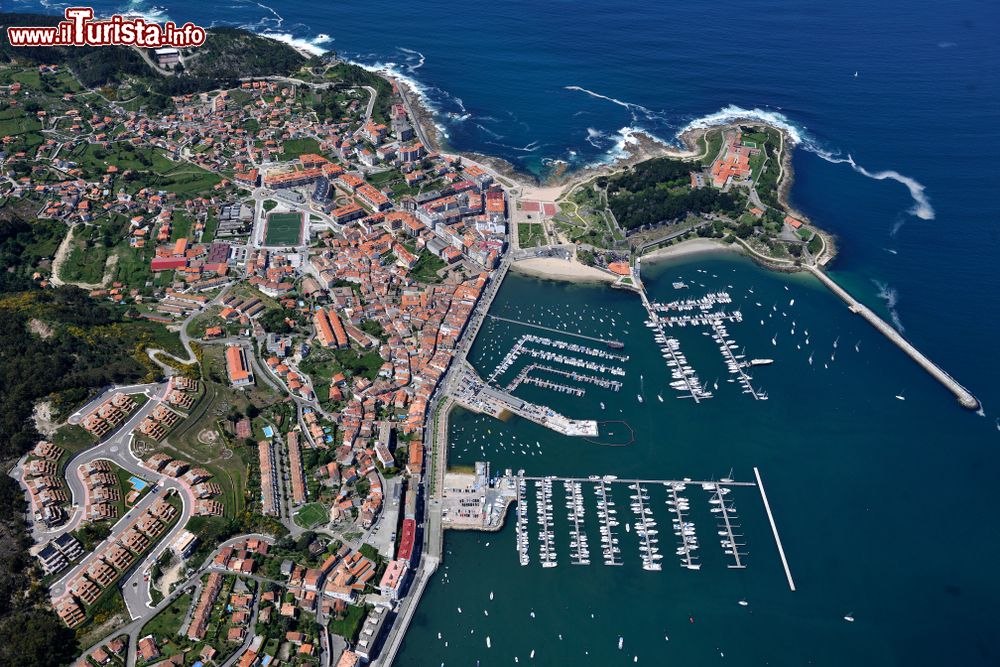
474	394
774	528
612	343
964	396
615	480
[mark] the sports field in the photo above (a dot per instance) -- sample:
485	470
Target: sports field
283	229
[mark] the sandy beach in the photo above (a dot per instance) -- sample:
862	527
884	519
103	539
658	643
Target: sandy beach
694	246
553	268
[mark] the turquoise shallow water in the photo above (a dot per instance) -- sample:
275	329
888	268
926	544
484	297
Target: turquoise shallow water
881	503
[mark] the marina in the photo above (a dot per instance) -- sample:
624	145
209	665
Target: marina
644	524
699	312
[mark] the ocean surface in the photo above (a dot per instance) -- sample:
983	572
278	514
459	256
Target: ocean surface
885	507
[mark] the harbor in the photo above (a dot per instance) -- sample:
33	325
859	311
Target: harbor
679	438
472	393
491	494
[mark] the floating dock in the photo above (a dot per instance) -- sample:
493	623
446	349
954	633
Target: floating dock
606	514
727	528
546	537
643	523
682	528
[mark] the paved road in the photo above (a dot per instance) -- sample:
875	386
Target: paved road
118	450
147	389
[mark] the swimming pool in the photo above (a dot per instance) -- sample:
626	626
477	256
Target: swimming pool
138	484
268	431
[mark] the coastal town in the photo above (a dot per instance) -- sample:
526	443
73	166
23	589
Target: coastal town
322	270
308	269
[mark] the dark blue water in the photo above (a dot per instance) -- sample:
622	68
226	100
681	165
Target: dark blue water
897	161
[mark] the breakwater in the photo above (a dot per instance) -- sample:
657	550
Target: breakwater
964	396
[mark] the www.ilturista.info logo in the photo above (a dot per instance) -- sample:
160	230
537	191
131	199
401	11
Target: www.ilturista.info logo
80	29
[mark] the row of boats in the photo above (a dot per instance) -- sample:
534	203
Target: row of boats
726	524
684	379
576	348
736	362
579	548
644	523
707	302
525	376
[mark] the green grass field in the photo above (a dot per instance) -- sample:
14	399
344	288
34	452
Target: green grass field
292	148
529	235
311	515
283	229
426	268
350	626
85	264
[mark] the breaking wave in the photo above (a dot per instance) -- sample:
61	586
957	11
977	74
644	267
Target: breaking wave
308	45
799	135
890	296
921	207
732	113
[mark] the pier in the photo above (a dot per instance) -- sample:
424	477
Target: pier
605	513
684	378
729	543
736	366
546	545
645	528
574	502
522	521
964	396
774	529
523	376
683	529
556	331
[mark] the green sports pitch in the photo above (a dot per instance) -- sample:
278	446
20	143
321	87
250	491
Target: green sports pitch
283	229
